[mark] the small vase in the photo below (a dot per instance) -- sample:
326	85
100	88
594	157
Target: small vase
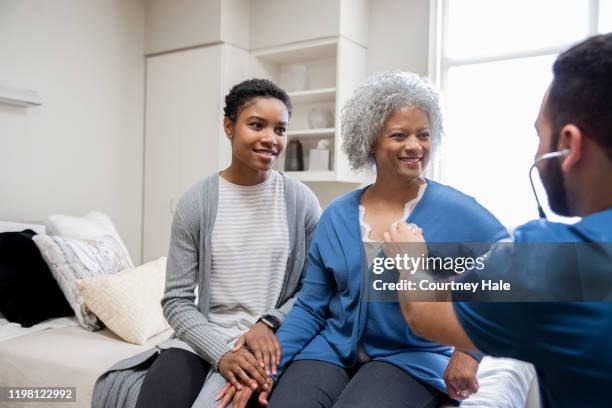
294	156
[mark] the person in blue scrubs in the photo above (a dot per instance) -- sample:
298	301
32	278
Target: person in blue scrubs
340	346
569	343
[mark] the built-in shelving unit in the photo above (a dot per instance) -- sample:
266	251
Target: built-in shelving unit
313	175
319	75
312	133
313	96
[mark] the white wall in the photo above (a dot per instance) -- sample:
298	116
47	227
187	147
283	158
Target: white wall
176	24
354	16
236	22
173	24
82	149
398	35
275	22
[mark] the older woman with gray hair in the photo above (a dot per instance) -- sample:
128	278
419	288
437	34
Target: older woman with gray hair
339	346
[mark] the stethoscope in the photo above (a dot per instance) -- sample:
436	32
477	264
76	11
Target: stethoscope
546	156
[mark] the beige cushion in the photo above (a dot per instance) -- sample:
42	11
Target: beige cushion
128	302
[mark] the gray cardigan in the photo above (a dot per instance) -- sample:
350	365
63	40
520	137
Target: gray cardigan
192	228
189	263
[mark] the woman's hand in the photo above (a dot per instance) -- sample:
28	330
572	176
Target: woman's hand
240	366
226	395
460	376
263	395
229	394
239	399
262	341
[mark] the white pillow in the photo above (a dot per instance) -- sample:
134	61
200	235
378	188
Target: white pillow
93	224
504	383
71	259
8	226
129	302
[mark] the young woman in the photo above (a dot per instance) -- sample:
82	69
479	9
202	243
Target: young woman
239	238
339	347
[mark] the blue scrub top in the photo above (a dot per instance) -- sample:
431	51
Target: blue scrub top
569	343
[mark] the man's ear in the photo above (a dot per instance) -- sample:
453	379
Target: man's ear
571	138
228	127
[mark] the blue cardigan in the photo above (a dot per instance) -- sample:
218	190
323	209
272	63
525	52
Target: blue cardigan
331	315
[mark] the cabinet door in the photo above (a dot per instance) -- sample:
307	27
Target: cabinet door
183	110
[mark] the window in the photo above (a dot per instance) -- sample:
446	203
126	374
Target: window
492	61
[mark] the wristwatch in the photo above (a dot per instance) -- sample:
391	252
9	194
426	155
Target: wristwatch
270	321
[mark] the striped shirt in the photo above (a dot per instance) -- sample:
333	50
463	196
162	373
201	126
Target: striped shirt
250	248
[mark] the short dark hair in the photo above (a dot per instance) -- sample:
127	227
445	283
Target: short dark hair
581	91
245	91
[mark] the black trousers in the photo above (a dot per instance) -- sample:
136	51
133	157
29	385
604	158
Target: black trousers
174	380
314	384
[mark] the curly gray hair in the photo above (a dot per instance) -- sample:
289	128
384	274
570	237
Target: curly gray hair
382	95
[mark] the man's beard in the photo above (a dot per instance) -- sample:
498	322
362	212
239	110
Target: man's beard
552	178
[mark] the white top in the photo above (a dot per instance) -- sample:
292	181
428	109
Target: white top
408	208
250	248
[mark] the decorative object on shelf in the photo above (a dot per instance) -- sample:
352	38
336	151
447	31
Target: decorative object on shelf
294	156
320	118
319	157
298	78
19	97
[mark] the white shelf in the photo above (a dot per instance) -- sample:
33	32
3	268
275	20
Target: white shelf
313	96
312	133
299	52
312	175
325	176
